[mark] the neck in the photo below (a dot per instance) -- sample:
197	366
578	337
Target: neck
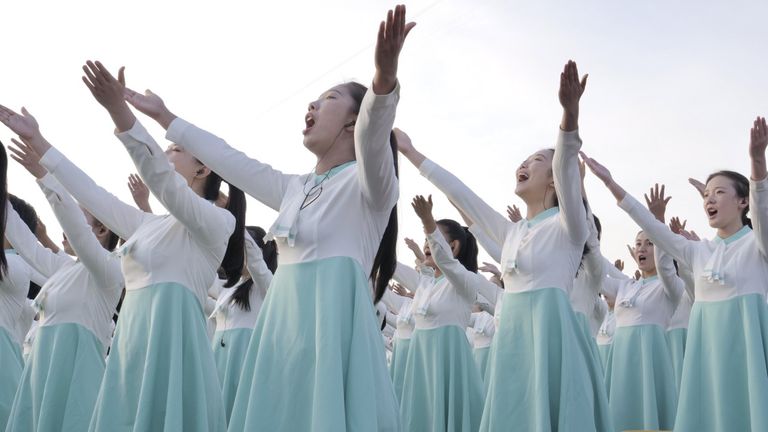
647	274
327	163
7	244
730	229
341	151
198	186
537	205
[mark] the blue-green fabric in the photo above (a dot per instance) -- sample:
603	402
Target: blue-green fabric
539	376
11	365
605	354
316	360
481	360
397	364
160	374
640	379
725	371
229	349
591	341
676	343
60	382
443	389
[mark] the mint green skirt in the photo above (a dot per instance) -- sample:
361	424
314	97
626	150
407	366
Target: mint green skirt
229	361
605	354
591	341
397	364
11	365
316	360
60	382
725	370
481	360
540	376
676	344
160	374
640	379
443	390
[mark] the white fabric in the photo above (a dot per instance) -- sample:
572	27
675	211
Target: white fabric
481	330
722	268
549	250
184	247
607	329
327	227
13	292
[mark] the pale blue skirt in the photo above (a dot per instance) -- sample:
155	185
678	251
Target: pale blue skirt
640	379
316	360
540	377
605	354
676	344
229	361
443	390
591	341
11	365
160	375
60	382
481	360
397	364
725	370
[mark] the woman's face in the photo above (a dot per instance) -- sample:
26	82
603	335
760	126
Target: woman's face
721	203
327	118
644	253
185	164
534	175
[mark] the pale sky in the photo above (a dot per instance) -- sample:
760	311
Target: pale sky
673	87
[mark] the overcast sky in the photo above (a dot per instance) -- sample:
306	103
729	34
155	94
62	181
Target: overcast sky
673	88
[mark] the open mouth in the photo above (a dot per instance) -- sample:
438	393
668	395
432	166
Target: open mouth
309	123
522	177
711	213
641	259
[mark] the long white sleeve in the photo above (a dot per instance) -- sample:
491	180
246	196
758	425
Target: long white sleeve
392	300
376	169
80	235
209	224
119	217
675	245
674	286
565	171
489	220
460	278
407	277
260	273
484	240
257	179
25	243
758	209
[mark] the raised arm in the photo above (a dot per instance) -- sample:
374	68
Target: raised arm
377	115
25	243
140	193
758	188
407	277
119	217
565	163
486	242
674	286
260	273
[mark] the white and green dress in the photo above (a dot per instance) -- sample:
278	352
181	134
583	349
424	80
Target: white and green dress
401	339
725	371
442	386
482	327
234	325
160	374
540	373
13	295
62	375
639	376
316	360
605	337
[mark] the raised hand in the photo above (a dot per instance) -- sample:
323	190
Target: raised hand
676	226
638	275
513	213
389	43
110	93
24	125
631	252
140	192
27	157
400	290
698	185
490	268
571	89
690	235
423	209
757	144
416	249
619	264
657	203
598	170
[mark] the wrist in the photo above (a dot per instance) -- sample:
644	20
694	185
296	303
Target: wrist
384	82
165	118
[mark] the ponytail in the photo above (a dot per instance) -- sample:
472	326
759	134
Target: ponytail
468	250
242	295
4	200
232	264
386	257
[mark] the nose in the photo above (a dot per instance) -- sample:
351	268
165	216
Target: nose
312	106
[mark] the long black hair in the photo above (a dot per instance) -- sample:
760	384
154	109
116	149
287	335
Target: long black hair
467	255
4	200
241	297
741	184
386	256
232	264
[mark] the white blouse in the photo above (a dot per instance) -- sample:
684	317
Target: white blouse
13	292
348	217
722	268
227	313
184	247
607	329
482	327
544	252
85	291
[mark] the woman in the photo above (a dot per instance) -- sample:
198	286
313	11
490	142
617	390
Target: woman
336	231
539	375
237	309
725	377
61	379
